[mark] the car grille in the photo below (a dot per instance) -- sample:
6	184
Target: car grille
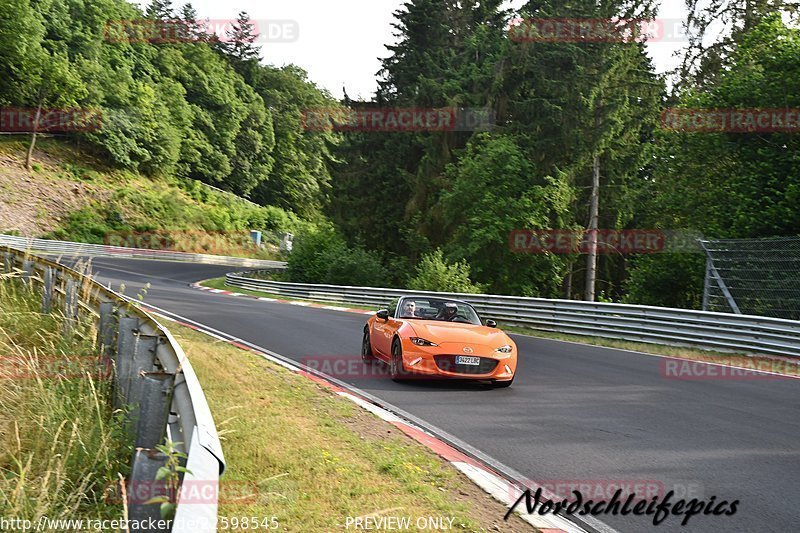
448	364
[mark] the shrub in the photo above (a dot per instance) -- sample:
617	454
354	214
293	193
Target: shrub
312	250
356	266
320	255
666	280
433	273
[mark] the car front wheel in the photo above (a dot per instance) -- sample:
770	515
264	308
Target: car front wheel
396	369
366	348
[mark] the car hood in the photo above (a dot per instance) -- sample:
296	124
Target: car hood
442	332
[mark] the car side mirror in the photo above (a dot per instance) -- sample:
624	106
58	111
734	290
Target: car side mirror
490	323
383	314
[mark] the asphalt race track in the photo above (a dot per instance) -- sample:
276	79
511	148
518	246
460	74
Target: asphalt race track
574	414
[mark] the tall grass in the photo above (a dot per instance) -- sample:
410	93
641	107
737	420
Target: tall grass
61	444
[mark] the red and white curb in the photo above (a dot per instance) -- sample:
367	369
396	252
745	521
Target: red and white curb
279	301
487	479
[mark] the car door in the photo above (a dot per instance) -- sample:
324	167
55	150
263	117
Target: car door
383	331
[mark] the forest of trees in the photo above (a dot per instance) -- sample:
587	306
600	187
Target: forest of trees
198	107
434	209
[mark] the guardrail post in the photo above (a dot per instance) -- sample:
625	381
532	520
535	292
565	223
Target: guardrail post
8	262
106	328
142	487
144	356
156	390
70	305
28	268
47	289
126	343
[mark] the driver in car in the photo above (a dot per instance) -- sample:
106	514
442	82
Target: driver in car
448	312
410	309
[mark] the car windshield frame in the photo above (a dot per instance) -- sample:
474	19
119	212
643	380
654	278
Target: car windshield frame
463	313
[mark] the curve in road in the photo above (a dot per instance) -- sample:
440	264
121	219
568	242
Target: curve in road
576	413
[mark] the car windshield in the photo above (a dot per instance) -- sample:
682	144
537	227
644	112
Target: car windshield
438	309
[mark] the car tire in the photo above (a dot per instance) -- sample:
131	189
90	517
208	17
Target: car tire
396	369
366	348
502	384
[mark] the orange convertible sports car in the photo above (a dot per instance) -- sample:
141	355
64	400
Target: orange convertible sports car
439	338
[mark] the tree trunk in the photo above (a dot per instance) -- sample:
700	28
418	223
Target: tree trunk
29	156
568	282
594	212
750	19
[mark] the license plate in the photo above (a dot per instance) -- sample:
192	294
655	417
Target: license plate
465	360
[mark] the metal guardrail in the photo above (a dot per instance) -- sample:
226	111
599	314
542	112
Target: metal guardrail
99	250
152	375
657	325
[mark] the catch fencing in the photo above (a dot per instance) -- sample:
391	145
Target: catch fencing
659	325
151	375
753	276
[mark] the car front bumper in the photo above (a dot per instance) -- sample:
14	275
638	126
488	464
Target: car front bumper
439	362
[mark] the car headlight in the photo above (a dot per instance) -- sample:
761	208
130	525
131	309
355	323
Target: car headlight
504	349
419	341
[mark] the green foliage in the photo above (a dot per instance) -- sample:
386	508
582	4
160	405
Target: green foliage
90	224
21	32
169	205
492	193
356	266
726	185
210	111
320	255
667	280
300	177
65	447
308	262
737	184
170	474
241	38
433	273
558	105
187	109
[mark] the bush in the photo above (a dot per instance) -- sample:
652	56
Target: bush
433	273
320	255
666	280
90	225
356	266
312	250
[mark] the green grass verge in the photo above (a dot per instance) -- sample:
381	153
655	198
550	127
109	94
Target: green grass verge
119	202
312	458
61	445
